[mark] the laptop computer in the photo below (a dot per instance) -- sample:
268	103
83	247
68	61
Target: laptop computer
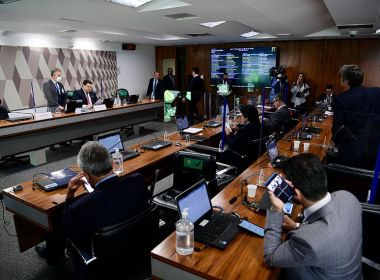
210	227
156	145
71	105
212	124
274	158
112	141
133	99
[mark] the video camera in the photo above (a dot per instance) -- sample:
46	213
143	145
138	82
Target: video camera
278	72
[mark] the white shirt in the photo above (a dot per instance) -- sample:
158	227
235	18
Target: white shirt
316	206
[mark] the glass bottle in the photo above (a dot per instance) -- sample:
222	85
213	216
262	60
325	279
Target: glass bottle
184	234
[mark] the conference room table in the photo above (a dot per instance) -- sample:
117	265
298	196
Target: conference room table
37	211
243	258
27	135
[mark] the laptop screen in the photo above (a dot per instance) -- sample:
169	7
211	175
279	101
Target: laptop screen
111	141
272	149
196	200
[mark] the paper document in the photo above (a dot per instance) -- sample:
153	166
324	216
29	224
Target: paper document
192	130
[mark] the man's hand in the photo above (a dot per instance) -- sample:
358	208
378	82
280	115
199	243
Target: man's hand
277	204
74	185
289	224
61	108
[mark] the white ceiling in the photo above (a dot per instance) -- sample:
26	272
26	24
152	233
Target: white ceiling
304	19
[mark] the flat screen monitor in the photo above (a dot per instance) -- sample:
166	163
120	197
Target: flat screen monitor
247	67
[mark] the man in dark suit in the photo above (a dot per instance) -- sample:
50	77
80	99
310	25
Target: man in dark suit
197	88
169	81
86	94
356	120
219	98
155	87
3	112
279	121
54	91
113	200
325	100
328	242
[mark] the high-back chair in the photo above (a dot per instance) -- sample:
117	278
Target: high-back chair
121	251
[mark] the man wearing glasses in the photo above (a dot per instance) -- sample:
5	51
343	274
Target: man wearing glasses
279	121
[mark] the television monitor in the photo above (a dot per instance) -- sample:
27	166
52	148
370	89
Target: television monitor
247	67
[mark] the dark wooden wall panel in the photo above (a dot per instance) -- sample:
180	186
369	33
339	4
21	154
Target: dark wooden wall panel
320	60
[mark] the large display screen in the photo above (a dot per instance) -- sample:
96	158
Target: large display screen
247	67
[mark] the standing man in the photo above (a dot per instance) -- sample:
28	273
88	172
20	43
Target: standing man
328	242
356	120
155	87
197	88
169	80
54	91
219	98
86	94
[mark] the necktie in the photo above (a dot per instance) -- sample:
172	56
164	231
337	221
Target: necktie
57	88
172	78
154	85
89	102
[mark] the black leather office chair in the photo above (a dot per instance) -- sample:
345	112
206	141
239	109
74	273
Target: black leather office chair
371	253
121	251
355	180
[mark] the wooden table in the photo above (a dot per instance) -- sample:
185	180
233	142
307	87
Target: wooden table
37	211
243	258
24	136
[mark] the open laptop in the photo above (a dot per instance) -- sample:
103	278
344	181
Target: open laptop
133	99
275	159
212	124
156	145
112	141
210	227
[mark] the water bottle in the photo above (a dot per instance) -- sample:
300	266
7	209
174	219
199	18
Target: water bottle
184	234
166	137
117	159
261	178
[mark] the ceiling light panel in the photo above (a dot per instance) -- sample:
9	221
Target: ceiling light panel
211	24
249	34
130	3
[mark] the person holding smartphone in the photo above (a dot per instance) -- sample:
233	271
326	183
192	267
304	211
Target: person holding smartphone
300	90
328	243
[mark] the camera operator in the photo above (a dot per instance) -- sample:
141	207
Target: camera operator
300	90
278	82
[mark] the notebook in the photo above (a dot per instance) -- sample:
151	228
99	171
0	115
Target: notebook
113	141
156	145
210	227
62	177
192	130
212	124
274	158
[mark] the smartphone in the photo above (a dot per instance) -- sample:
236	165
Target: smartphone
246	225
288	208
279	187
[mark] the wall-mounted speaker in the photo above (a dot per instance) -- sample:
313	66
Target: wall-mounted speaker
128	47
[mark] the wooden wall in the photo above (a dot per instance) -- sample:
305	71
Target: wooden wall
320	60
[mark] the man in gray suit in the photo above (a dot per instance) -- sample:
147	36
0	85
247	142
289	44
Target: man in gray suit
54	91
328	243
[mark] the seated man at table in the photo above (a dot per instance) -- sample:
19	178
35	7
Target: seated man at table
328	243
86	94
238	136
279	121
113	200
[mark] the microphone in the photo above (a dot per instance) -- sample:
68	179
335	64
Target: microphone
242	183
117	143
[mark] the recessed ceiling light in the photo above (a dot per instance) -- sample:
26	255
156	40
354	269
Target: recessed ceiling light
377	31
130	3
211	24
249	34
284	34
163	5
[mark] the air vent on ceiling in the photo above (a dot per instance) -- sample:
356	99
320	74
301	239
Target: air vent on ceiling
182	16
7	1
355	26
69	19
199	34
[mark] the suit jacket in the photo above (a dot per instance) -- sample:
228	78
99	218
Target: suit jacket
3	113
52	97
197	85
168	83
158	92
80	95
280	120
358	110
238	140
112	201
326	246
